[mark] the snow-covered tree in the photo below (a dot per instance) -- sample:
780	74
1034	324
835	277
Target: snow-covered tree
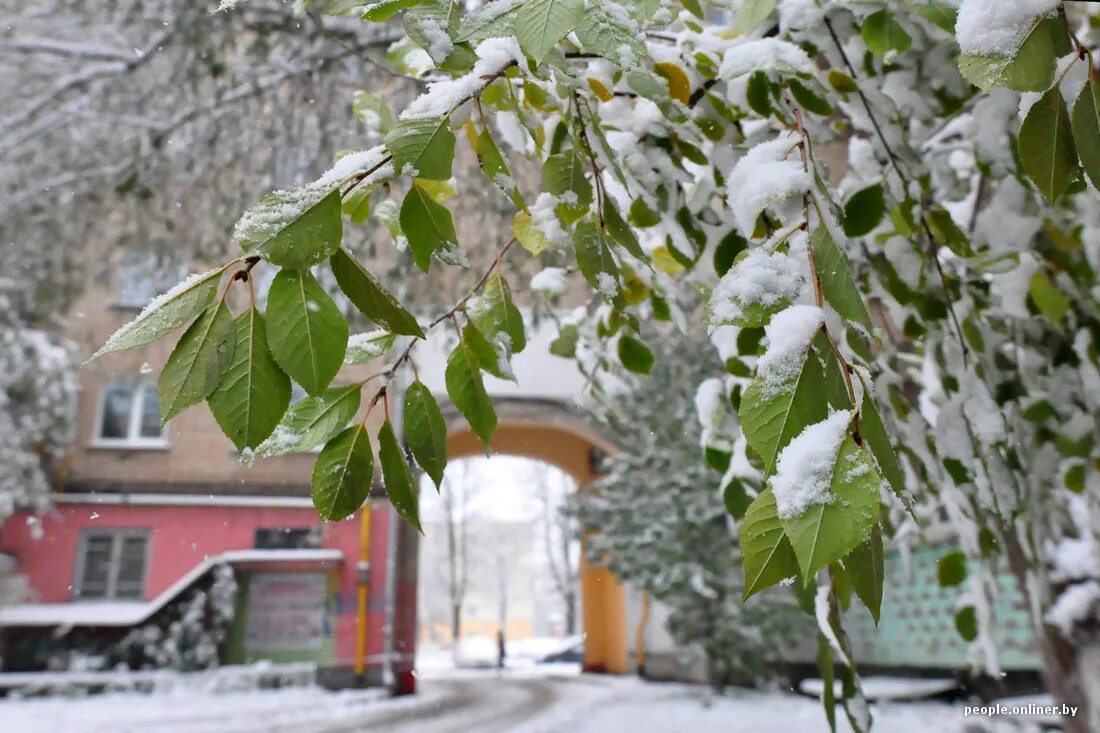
658	519
37	405
888	203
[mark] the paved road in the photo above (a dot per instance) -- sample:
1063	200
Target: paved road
466	703
462	705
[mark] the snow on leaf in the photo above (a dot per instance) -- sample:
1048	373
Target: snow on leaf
764	54
365	347
766	175
837	514
165	313
758	285
312	421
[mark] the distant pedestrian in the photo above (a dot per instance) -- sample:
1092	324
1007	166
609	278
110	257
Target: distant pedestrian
500	649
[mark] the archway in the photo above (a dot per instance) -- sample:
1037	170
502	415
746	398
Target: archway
548	431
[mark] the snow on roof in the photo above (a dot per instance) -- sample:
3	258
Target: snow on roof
131	613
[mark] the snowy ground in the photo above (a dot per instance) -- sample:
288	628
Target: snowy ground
531	699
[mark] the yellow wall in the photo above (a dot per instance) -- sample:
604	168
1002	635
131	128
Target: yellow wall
603	599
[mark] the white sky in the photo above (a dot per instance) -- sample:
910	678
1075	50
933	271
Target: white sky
503	486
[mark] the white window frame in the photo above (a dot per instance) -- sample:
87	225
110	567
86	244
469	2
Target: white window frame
134	439
118	536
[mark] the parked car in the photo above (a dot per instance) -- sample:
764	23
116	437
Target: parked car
571	650
479	652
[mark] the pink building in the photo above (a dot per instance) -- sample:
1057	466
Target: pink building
142	517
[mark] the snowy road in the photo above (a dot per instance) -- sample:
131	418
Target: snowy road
533	702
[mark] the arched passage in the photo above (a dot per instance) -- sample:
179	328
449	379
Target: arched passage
549	432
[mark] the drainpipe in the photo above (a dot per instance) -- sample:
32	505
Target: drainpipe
362	570
396	393
639	635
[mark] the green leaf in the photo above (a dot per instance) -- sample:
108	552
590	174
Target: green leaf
366	347
635	355
621	233
1086	129
1074	478
494	359
881	447
342	475
540	24
565	173
386	9
824	533
198	362
1046	146
735	497
368	295
1030	69
427	225
1050	301
864	210
496	169
866	570
951	569
808	98
422	148
426	431
771	415
752	13
882	34
307	333
467	392
766	554
947	232
397	477
312	421
594	258
758	94
165	313
293	228
938	14
607	33
254	393
837	282
966	623
494	313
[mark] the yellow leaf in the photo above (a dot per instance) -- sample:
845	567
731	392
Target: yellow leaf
599	89
471	133
665	262
678	85
634	290
528	235
440	191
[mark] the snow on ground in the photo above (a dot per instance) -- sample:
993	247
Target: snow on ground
530	699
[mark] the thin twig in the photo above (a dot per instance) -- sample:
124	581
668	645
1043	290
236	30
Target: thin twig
904	179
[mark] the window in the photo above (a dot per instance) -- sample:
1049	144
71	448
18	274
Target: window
142	277
111	564
129	414
288	538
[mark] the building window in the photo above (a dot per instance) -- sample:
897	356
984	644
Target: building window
288	538
111	564
143	276
129	415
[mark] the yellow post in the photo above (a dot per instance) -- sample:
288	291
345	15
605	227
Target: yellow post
362	576
639	635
